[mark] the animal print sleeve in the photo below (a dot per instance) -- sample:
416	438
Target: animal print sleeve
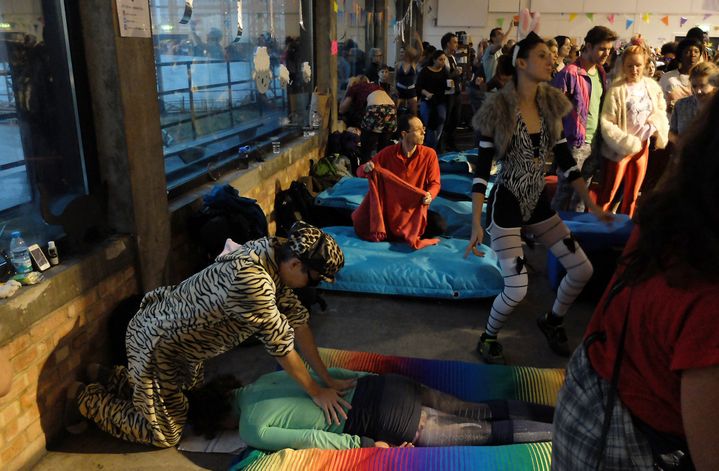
292	308
252	302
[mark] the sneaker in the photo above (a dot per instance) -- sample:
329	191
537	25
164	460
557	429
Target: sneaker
97	373
556	336
74	422
490	350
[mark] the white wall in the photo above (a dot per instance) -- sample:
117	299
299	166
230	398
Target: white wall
552	24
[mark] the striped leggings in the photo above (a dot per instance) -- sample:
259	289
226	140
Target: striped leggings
142	410
507	243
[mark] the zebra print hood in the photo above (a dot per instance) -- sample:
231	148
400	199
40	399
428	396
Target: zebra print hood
497	116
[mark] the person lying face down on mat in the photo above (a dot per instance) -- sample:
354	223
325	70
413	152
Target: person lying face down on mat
414	163
247	291
387	411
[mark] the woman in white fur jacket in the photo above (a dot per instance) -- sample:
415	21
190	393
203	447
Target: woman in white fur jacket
634	110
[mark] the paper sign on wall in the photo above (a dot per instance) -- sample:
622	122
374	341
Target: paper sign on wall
133	17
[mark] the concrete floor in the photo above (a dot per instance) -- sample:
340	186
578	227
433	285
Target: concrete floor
389	325
424	328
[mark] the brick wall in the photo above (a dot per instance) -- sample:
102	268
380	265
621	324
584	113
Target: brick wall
52	352
46	358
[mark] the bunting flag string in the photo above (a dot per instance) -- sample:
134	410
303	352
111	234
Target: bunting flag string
407	18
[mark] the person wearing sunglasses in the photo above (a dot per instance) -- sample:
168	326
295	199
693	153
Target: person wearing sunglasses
246	291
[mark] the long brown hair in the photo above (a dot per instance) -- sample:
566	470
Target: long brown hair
679	223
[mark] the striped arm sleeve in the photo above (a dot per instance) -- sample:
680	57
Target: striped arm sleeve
484	164
566	163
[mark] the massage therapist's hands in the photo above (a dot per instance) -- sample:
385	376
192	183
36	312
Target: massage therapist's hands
332	404
427	199
476	238
380	444
368	167
342	386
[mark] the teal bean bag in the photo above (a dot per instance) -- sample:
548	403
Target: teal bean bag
437	271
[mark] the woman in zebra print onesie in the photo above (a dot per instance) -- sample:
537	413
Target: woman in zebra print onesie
245	292
521	125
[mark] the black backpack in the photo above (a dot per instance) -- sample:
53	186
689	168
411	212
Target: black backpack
294	204
224	215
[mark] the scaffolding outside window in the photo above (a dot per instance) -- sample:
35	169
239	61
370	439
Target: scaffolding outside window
220	91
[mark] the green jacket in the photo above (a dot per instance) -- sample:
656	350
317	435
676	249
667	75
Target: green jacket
276	413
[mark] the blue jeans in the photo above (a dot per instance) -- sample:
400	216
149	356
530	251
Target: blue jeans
431	136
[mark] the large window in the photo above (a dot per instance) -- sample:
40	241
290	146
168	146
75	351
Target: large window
220	90
41	158
361	26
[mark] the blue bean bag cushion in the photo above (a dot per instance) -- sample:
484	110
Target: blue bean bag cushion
458	162
349	192
602	243
437	271
594	234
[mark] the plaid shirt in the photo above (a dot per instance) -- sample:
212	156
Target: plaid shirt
578	421
575	83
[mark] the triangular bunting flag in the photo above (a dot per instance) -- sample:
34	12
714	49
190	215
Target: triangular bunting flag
682	21
515	19
646	17
629	23
572	16
706	16
665	20
500	22
590	16
611	18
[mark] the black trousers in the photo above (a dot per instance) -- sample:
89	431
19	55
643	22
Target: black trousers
454	107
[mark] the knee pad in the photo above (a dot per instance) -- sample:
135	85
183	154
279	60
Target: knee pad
515	277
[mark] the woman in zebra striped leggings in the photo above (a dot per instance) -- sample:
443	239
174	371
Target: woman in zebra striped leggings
245	292
521	125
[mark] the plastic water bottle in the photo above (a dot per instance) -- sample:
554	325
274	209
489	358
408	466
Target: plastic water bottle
19	254
316	122
52	253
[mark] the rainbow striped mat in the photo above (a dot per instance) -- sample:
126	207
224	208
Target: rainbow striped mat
469	381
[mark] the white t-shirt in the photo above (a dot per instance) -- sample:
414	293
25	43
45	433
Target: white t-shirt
489	62
639	108
675	86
